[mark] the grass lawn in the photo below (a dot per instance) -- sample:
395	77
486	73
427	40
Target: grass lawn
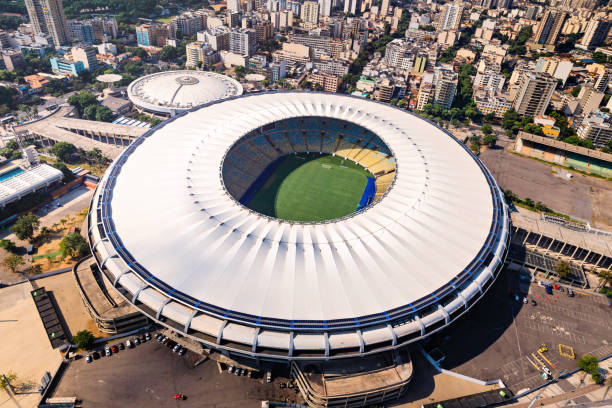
312	187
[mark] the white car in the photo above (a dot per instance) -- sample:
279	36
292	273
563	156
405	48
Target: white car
230	369
547	370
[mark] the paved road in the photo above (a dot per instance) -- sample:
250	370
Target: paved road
151	374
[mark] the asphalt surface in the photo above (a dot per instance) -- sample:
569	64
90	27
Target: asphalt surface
500	336
150	374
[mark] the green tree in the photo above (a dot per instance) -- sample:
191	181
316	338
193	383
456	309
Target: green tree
490	139
82	100
487	129
576	91
8	245
240	71
13	262
6	379
168	53
104	114
84	339
63	150
25	226
90	112
73	245
563	269
589	364
68	174
265	83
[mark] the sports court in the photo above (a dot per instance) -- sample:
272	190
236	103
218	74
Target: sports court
312	187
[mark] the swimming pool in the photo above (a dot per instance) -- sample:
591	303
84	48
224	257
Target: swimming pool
11	173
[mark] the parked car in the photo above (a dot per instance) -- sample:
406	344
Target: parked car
88	358
136	341
176	348
147	336
570	292
121	346
107	351
129	344
269	375
159	337
548	289
249	374
533	302
115	349
182	351
237	372
231	369
524	300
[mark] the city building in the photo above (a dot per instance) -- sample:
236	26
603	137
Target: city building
352	6
327	82
450	18
264	31
490	101
278	70
104	28
601	85
47	17
325	8
533	93
188	23
589	100
384	9
490	80
445	87
243	41
218	38
152	34
310	13
555	66
550	27
595	34
66	67
13	60
81	31
85	54
596	130
234	6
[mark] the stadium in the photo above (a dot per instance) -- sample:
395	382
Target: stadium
168	93
299	226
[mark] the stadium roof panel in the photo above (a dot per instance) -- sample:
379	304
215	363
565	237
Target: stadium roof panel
170	92
199	245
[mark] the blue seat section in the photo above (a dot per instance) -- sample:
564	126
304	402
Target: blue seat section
368	194
259	182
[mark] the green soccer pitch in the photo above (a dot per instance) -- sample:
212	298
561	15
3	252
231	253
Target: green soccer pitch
311	187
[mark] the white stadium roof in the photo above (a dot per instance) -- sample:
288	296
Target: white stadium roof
439	233
170	92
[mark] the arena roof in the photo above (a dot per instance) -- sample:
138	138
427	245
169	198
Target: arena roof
441	226
170	92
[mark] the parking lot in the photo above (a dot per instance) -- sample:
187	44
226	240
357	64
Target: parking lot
150	374
501	337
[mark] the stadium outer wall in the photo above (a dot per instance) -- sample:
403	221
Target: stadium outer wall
177	314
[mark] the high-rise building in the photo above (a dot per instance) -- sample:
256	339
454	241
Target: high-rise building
310	12
193	53
152	35
104	28
450	18
243	41
588	100
550	27
47	17
384	9
81	31
234	6
489	79
218	38
188	23
603	80
352	6
86	54
446	87
328	82
595	33
13	59
325	8
278	70
596	130
533	93
264	30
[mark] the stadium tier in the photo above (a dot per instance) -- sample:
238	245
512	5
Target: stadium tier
168	227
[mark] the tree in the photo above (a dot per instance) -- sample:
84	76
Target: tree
563	269
240	71
487	129
68	174
63	150
588	363
490	139
73	245
168	53
265	83
6	379
82	100
83	339
8	245
90	112
25	226
104	114
13	262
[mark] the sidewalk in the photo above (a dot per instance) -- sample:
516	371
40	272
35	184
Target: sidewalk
561	398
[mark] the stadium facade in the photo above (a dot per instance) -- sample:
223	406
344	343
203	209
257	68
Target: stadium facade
168	229
168	93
